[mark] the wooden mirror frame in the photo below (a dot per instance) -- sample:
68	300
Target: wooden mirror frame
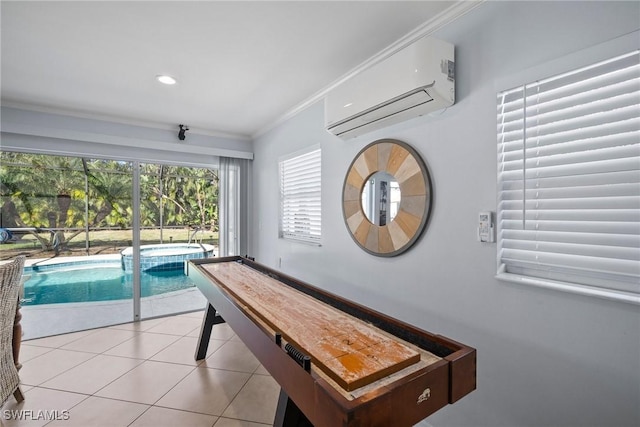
402	162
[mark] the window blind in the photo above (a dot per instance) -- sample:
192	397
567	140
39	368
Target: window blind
569	177
300	185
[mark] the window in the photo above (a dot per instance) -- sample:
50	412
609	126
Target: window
300	216
569	180
84	218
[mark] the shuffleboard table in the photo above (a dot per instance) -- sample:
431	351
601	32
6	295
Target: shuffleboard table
338	363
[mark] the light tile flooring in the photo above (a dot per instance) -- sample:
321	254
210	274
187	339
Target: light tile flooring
142	374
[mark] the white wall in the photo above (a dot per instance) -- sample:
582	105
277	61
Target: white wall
545	358
33	131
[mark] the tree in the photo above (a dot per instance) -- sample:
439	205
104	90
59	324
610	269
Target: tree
56	193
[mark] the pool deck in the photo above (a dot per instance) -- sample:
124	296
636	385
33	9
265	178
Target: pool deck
72	259
53	319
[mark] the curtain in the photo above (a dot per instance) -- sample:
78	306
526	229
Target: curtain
233	206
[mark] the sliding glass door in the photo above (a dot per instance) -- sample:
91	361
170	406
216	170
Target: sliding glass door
85	224
70	217
178	222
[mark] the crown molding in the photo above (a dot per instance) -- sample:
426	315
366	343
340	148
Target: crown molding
112	140
40	108
447	16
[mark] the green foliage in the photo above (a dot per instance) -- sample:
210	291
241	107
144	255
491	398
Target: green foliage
66	192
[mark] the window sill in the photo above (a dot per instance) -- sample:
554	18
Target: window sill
571	288
304	242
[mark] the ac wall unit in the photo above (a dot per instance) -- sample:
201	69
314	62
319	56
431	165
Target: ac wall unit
414	81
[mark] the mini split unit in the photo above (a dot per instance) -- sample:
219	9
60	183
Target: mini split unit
412	82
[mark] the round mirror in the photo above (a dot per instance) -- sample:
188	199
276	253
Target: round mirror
380	198
386	197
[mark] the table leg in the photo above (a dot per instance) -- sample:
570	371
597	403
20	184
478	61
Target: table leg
17	337
288	414
211	318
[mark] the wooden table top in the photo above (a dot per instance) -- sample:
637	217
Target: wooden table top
346	349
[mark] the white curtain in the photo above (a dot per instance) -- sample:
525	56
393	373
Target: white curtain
233	206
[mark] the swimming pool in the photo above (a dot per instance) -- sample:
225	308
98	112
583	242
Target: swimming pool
95	281
165	256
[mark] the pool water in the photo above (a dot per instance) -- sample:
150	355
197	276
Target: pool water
165	256
102	282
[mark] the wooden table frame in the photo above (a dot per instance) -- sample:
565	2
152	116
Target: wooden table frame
308	399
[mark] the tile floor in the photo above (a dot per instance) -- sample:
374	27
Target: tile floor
142	374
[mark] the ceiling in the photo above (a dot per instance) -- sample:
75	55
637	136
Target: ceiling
241	66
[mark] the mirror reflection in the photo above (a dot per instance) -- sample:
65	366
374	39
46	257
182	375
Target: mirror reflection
380	198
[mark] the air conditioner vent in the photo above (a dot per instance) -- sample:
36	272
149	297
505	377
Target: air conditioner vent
410	83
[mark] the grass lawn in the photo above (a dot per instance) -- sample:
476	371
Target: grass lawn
102	242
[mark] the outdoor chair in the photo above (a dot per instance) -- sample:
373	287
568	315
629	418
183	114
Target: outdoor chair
10	276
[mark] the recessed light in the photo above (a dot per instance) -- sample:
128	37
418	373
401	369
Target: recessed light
168	80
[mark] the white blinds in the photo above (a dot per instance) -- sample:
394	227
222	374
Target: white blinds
300	178
569	177
231	206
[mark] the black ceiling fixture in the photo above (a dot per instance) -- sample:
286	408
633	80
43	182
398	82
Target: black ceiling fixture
181	133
